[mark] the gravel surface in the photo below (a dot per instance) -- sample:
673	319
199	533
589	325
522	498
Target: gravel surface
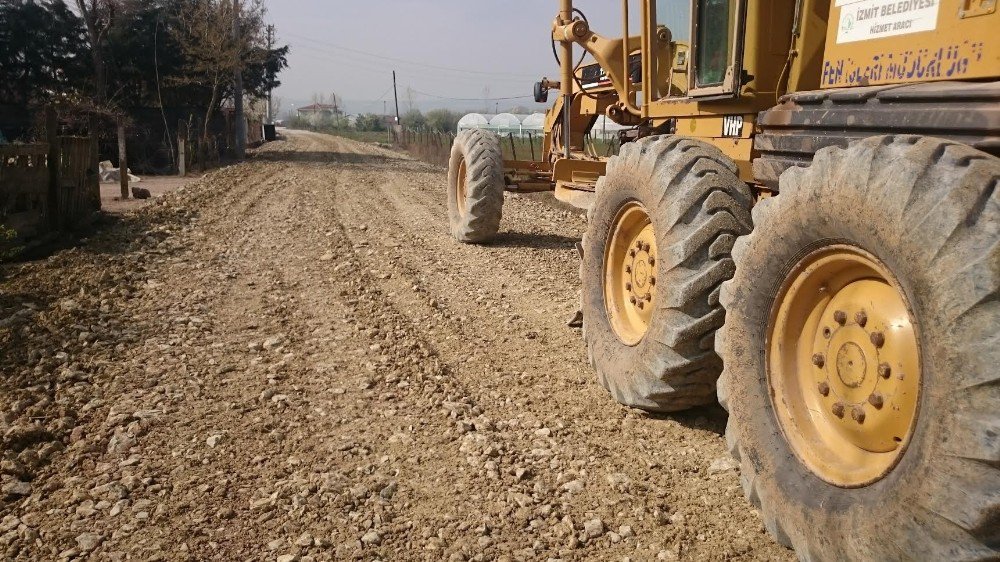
291	360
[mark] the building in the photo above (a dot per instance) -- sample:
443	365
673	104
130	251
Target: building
318	112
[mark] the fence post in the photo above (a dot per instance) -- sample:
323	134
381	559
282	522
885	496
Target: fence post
122	158
52	161
181	148
94	161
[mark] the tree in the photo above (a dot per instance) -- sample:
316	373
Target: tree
413	119
98	16
43	51
442	120
369	122
212	55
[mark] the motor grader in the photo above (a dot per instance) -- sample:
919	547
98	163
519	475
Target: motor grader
803	223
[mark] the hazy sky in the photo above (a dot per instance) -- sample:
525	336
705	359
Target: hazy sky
447	48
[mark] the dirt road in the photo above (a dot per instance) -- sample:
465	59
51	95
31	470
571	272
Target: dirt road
292	360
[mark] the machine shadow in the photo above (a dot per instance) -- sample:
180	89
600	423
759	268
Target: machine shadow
511	239
711	417
325	157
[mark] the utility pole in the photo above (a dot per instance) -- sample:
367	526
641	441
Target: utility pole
270	47
395	94
238	117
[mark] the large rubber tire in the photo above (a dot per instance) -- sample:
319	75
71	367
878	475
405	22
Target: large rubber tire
930	211
475	217
697	206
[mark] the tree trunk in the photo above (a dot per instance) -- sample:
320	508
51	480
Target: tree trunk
122	159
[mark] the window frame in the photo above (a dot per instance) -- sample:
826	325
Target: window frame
734	71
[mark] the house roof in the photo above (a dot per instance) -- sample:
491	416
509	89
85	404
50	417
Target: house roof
319	107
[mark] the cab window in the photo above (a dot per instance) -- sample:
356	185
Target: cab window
715	38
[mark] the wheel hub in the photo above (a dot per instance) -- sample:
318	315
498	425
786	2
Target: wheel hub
630	274
843	365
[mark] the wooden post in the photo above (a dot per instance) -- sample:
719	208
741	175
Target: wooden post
94	162
122	158
181	149
52	161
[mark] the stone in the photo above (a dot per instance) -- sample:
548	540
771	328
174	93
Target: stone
88	541
213	440
723	464
371	538
274	342
17	488
593	528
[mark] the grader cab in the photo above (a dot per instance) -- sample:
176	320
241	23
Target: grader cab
802	223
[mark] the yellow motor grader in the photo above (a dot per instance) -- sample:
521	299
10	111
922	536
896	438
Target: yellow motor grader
803	223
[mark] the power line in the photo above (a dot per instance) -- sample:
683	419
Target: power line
385	67
410	62
471	99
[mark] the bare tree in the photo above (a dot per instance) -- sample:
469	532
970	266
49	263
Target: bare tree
213	54
98	16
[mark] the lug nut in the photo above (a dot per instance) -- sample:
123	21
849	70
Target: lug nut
840	317
861	318
858	414
638	244
648	297
876	400
827	332
631	253
628	286
652	281
884	370
628	269
878	339
824	388
640	305
819	360
838	409
632	300
652	261
645	247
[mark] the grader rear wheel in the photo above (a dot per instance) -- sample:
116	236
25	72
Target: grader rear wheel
861	352
844	358
475	186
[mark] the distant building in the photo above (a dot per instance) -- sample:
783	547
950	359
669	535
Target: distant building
318	112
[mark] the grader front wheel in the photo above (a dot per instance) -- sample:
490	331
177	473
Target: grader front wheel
861	354
475	186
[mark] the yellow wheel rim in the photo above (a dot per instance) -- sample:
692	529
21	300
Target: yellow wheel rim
844	366
460	188
629	274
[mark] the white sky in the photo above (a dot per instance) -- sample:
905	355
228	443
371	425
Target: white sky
500	45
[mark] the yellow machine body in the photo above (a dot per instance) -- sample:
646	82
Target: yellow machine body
713	76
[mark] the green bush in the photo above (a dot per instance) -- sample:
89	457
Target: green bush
369	122
7	249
